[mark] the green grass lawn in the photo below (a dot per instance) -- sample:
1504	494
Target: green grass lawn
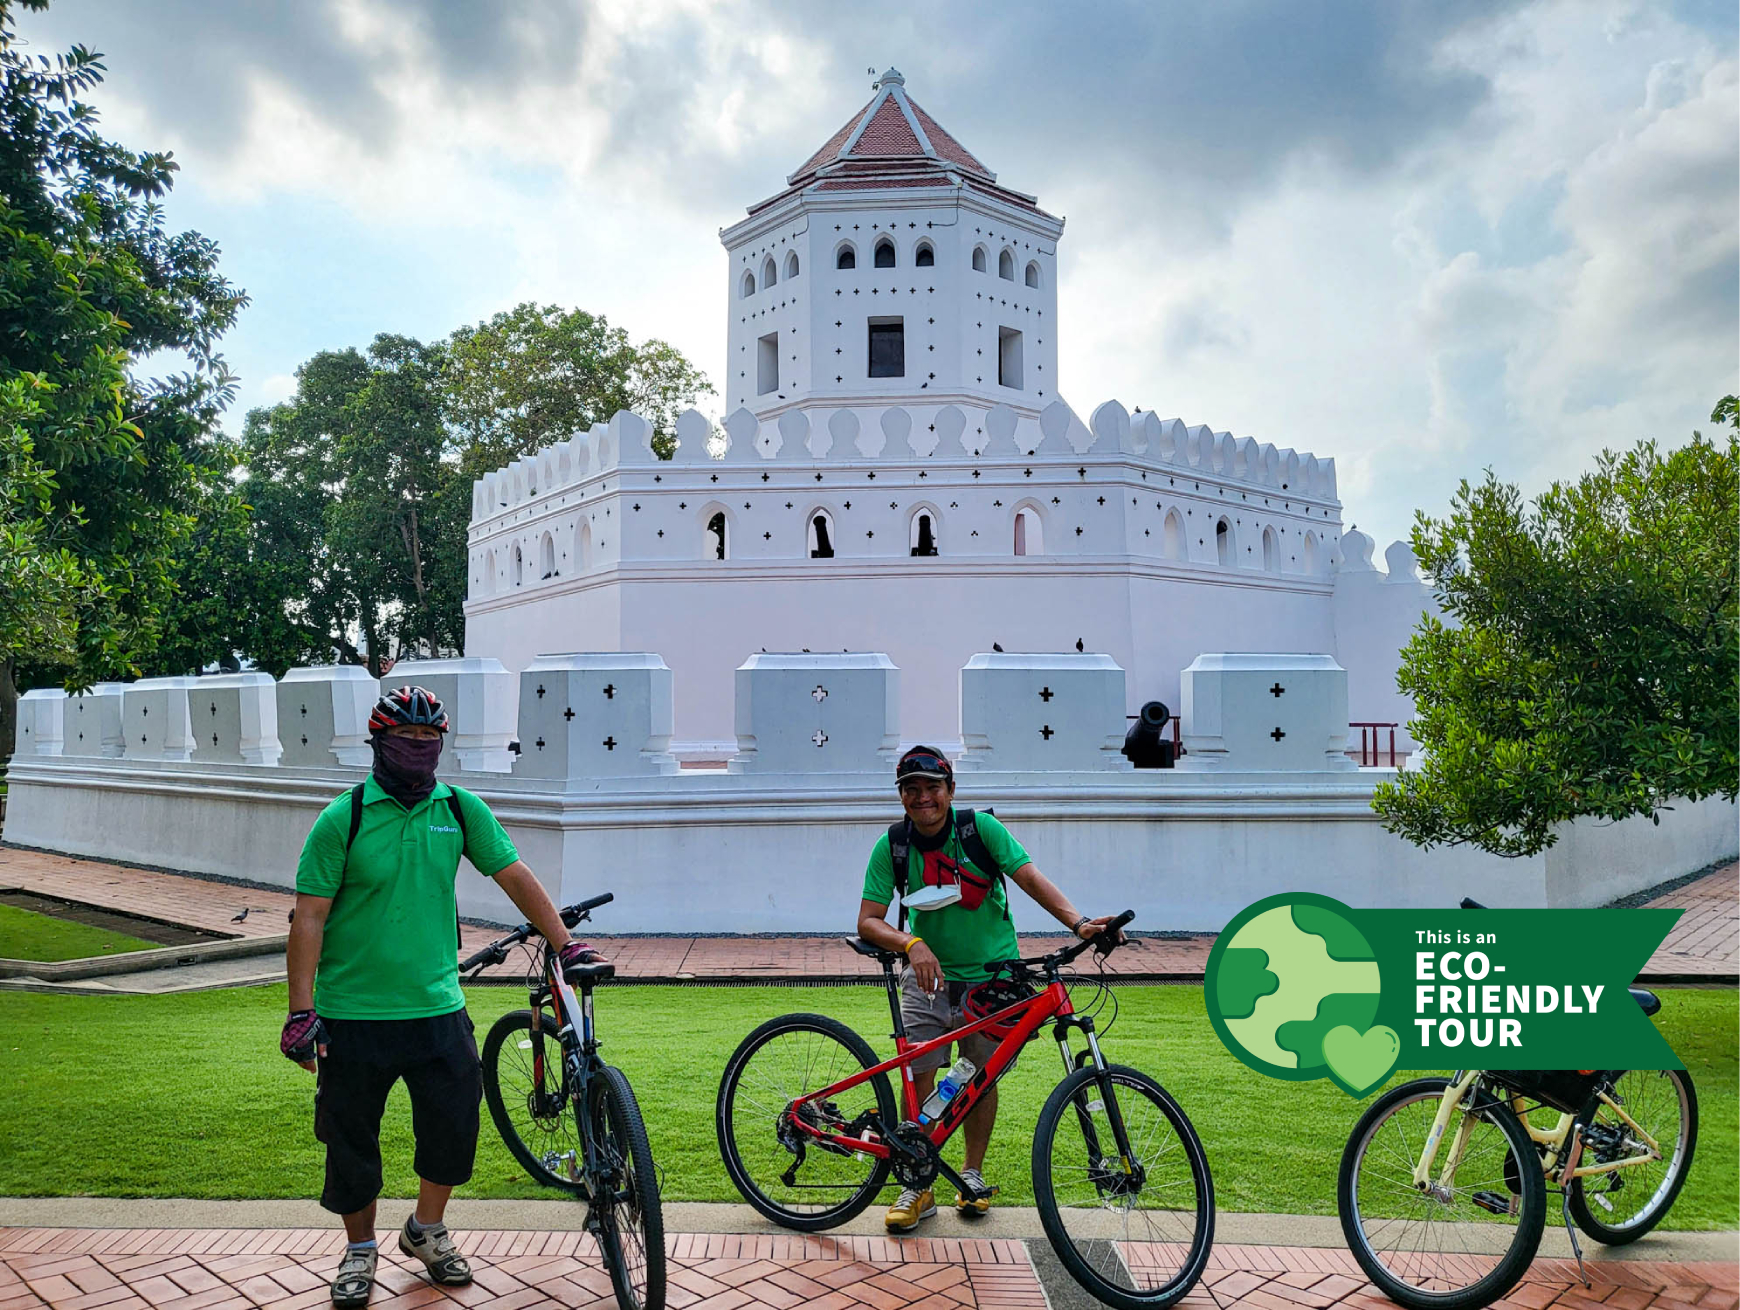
188	1096
27	935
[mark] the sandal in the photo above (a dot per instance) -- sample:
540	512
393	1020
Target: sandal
356	1275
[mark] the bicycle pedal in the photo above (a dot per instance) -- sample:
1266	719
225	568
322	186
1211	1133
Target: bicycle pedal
1496	1202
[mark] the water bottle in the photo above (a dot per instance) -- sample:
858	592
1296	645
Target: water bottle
946	1089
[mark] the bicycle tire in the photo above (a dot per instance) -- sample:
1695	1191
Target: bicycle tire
1519	1169
1662	1197
626	1208
552	1134
1109	1253
842	1051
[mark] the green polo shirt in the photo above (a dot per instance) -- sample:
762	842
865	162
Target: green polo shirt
390	950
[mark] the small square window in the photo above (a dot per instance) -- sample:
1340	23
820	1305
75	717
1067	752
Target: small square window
887	348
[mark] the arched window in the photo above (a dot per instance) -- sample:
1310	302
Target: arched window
547	557
885	253
1006	266
846	257
1029	532
1223	543
748	285
1271	551
978	259
821	536
1033	274
769	273
1311	552
924	532
715	537
926	256
583	548
488	572
519	569
1172	537
791	266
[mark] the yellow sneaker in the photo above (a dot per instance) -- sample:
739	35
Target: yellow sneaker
909	1208
978	1205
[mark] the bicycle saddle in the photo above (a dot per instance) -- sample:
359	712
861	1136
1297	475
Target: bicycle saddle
865	949
1647	999
587	974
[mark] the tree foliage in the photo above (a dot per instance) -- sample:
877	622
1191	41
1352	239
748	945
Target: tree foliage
1589	664
114	471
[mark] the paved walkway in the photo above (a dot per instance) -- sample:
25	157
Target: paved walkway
1704	945
207	1269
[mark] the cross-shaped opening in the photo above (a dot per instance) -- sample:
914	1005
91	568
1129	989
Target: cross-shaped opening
609	743
540	743
1046	732
610	691
819	737
1277	690
1277	734
1045	694
568	713
540	693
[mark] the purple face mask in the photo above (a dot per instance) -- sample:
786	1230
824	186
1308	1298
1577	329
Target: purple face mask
405	766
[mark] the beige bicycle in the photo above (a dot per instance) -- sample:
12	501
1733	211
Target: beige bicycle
1443	1185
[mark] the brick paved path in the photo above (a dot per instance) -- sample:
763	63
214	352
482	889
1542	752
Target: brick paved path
1704	944
129	1269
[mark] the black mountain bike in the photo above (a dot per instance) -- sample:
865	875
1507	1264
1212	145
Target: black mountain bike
570	1119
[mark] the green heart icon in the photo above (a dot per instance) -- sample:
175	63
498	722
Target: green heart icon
1359	1063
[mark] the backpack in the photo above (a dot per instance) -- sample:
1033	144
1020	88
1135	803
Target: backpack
972	845
356	817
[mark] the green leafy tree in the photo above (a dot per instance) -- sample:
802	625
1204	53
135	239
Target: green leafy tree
121	467
538	374
1588	667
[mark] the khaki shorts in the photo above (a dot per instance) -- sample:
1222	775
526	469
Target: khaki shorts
928	1017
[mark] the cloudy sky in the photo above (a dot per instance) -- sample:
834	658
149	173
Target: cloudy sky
1424	239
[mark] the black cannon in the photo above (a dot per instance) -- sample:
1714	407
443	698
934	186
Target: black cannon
1145	744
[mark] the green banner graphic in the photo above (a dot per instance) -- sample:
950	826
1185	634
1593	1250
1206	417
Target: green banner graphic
1300	986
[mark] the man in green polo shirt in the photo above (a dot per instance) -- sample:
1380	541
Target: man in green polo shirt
374	982
947	949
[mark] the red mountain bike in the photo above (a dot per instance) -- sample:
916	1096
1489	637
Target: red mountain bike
810	1133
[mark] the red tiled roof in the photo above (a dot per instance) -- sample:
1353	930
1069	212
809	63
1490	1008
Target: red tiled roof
892	142
945	145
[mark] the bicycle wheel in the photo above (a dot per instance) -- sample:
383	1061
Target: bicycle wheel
1133	1230
525	1085
1455	1244
1623	1205
782	1172
625	1199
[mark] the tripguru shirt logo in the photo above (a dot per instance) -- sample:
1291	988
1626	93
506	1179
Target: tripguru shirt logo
1301	986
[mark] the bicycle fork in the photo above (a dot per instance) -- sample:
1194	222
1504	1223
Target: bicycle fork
1128	1180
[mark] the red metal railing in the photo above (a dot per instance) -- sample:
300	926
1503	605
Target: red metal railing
1368	743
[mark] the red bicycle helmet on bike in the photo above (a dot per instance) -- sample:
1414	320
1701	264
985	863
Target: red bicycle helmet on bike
987	998
407	705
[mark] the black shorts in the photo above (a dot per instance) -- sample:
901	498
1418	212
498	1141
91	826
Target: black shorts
437	1058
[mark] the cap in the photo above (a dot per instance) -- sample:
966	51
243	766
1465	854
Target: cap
923	762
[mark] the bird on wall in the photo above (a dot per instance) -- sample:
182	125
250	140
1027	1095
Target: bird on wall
1078	646
243	915
997	648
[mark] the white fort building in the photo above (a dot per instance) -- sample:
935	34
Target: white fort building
899	473
903	533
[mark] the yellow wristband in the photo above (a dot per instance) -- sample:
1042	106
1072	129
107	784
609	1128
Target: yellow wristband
907	949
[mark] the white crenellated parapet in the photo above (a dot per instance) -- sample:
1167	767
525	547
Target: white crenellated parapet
605	715
93	722
42	721
817	714
323	716
1042	713
480	697
1264	714
235	719
155	718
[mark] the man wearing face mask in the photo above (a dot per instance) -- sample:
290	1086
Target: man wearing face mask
374	981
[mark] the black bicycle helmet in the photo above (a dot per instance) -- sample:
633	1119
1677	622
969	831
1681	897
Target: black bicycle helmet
407	705
987	998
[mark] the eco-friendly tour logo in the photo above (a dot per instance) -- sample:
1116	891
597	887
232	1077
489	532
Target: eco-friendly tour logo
1300	986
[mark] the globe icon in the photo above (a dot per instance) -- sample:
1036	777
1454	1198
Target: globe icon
1282	974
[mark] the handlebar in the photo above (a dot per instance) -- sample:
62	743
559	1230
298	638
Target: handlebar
497	951
1105	941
